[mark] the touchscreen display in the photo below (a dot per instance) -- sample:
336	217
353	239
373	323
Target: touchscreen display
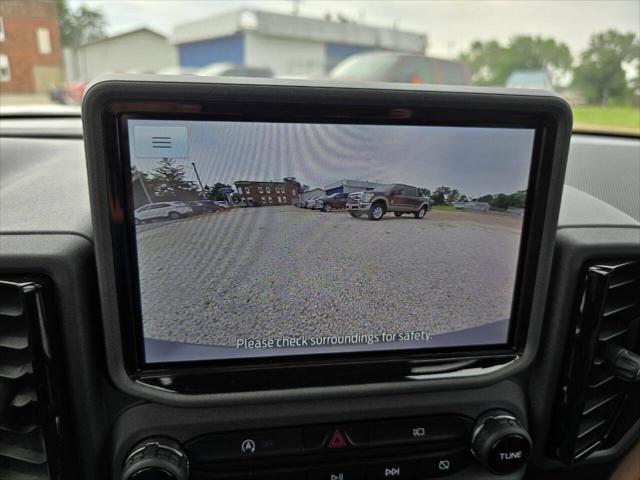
261	239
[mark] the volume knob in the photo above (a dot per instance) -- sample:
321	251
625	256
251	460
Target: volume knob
500	443
156	459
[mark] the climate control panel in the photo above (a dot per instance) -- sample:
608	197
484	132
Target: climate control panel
397	449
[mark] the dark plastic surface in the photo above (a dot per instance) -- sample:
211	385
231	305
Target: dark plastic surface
43	188
574	248
68	262
602	193
147	420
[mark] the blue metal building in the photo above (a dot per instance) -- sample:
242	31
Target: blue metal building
289	45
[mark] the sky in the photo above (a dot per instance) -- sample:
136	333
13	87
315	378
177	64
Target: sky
476	161
451	26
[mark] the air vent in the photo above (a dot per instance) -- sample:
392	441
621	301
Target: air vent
607	314
22	448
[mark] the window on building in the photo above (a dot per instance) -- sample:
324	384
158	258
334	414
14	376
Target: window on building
263	200
259	189
43	38
279	199
269	189
5	68
2	37
293	193
271	200
240	190
247	190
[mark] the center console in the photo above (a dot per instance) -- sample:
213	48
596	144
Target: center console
366	439
416	447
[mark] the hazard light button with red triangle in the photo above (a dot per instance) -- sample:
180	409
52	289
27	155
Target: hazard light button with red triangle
335	438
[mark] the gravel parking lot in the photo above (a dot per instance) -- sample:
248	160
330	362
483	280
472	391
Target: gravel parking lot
273	271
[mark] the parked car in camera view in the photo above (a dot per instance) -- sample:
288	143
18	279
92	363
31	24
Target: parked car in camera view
311	203
396	198
162	210
204	206
332	202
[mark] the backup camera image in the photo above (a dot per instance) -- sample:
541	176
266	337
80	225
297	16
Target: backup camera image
270	239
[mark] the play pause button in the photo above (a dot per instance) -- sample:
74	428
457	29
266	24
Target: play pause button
347	473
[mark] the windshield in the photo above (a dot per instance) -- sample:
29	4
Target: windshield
588	52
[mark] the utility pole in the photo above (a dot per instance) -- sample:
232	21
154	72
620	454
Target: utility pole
197	176
139	177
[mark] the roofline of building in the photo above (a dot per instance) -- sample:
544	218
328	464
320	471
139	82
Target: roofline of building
124	34
263	181
246	20
339	183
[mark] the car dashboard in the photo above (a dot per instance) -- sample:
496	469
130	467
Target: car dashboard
62	416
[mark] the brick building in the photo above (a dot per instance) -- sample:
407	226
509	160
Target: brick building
268	193
30	57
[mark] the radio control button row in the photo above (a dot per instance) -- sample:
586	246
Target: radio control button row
328	438
246	445
420	430
417	466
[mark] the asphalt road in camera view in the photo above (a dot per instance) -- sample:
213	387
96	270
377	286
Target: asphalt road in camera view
267	272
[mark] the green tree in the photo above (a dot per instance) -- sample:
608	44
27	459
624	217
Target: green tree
491	63
601	76
215	193
168	182
79	26
424	192
439	195
500	201
444	195
454	196
518	199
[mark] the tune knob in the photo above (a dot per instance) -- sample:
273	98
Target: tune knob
156	459
500	443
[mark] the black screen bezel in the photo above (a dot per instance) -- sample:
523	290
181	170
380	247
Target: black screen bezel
511	347
203	383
